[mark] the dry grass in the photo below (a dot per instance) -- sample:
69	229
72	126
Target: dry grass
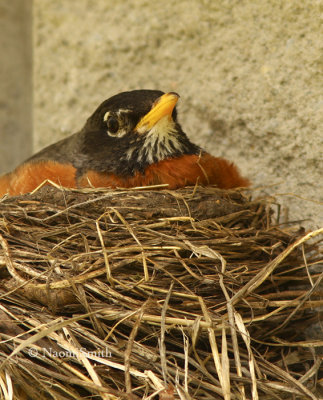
137	294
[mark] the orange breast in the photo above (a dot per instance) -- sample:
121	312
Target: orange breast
177	172
28	177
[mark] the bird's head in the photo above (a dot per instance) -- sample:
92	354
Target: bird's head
141	126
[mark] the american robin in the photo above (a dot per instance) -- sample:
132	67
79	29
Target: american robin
132	139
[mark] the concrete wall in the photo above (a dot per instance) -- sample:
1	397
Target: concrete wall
249	74
15	82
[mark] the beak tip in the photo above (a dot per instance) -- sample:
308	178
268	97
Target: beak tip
174	94
162	107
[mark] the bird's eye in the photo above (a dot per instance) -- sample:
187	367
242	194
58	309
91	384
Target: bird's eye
113	125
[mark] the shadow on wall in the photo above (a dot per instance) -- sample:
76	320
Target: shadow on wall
15	83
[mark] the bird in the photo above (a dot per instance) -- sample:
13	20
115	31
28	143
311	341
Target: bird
132	139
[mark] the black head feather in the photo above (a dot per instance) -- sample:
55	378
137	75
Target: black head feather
94	148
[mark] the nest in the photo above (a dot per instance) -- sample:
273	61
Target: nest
156	294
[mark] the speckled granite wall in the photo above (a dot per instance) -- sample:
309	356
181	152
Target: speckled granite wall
15	82
249	74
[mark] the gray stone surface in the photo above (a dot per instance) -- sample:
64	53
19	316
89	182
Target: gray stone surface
15	82
249	74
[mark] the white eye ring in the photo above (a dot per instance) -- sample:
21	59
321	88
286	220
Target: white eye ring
113	124
106	116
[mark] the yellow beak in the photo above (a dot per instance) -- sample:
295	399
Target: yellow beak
161	108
